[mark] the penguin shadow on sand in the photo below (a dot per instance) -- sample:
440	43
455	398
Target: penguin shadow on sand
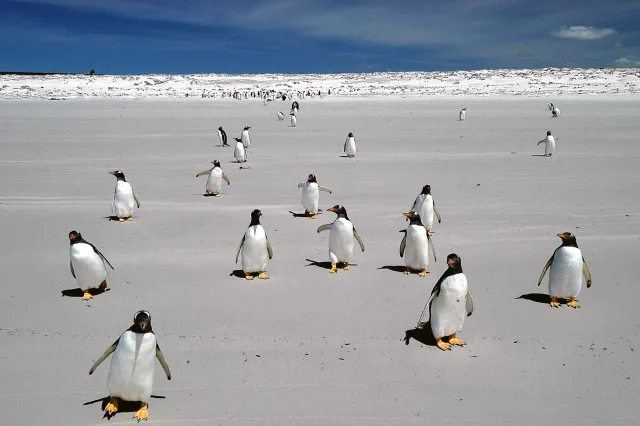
76	292
123	406
294	214
326	265
397	268
421	334
536	297
238	273
112	218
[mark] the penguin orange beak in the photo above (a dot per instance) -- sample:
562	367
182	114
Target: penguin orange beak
330	209
450	262
561	236
406	214
112	173
143	325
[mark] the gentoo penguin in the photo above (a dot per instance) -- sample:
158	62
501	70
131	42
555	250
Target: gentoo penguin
239	152
341	237
549	144
280	115
567	268
222	136
295	106
124	198
554	110
255	247
133	365
88	266
449	304
311	195
350	146
426	207
214	182
415	246
294	119
463	113
246	137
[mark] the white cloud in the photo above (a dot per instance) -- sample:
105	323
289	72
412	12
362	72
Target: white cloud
580	32
627	61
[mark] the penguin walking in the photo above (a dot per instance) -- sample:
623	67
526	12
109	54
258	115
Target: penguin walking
246	137
239	152
311	195
222	136
280	115
294	119
426	207
450	302
549	144
256	248
124	198
342	233
214	181
463	114
350	146
88	266
554	110
415	246
567	268
132	366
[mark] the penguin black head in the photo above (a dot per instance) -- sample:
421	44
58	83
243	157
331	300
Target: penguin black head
247	127
548	132
75	237
568	239
141	322
350	135
339	210
238	139
414	218
426	190
118	174
215	163
255	217
455	263
220	128
312	178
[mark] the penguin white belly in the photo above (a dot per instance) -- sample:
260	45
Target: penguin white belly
87	265
214	182
416	252
550	145
294	121
426	211
238	152
462	115
132	367
351	146
341	241
310	197
124	199
220	137
448	310
565	274
254	250
246	138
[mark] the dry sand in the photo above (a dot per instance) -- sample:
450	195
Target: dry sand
307	347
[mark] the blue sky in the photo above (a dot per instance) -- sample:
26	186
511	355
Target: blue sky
307	36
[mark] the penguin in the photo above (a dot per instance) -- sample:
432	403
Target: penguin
124	198
342	233
246	137
450	302
463	113
426	207
295	106
88	266
132	366
239	152
214	182
280	115
255	247
294	120
554	110
549	144
350	146
311	195
222	136
416	244
567	268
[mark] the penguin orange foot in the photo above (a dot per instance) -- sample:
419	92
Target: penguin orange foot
263	276
314	216
572	302
407	271
87	295
422	273
121	219
248	276
334	269
112	406
453	340
142	413
130	218
443	345
555	303
345	266
216	194
429	232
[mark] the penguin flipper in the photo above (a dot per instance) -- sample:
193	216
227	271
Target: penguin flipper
113	203
542	141
104	356
355	234
204	172
269	249
433	249
403	244
325	227
413	206
469	304
587	272
345	145
226	179
301	185
435	210
163	362
324	188
72	271
104	259
544	271
239	248
135	197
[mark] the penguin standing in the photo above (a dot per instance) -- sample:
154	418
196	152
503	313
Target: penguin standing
463	114
123	198
280	115
255	247
311	195
549	144
426	207
450	302
246	137
214	181
294	119
567	268
88	266
342	233
222	136
133	365
295	106
350	146
415	246
554	110
239	152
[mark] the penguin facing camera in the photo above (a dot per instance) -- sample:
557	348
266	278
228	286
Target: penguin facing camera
124	198
415	246
341	236
311	195
255	248
214	181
